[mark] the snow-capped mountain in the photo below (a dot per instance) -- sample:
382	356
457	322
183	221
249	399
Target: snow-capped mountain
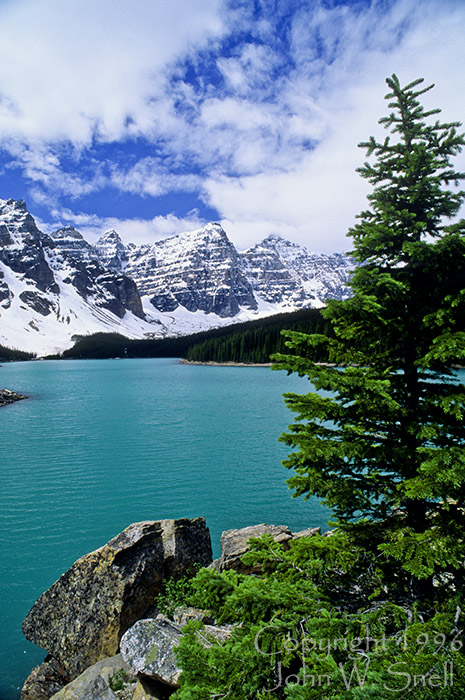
56	287
53	288
288	274
199	271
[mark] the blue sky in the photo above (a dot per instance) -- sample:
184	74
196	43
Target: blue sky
156	116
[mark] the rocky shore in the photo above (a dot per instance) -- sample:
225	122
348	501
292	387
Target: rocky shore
105	638
7	397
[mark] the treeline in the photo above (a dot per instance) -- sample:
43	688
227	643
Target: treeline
14	355
255	342
250	342
100	346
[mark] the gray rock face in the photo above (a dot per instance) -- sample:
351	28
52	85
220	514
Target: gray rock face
183	614
91	277
270	277
308	532
201	271
284	272
83	616
43	305
72	244
22	245
95	682
6	295
111	251
235	543
119	294
148	648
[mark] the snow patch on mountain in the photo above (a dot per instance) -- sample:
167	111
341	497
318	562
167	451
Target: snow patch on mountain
58	287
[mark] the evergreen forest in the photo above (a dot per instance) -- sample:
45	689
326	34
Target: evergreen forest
248	342
375	607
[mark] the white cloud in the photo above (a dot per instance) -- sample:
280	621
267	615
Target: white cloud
131	230
81	68
150	177
339	101
273	147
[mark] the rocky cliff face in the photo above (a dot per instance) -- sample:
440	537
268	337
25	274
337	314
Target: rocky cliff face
22	246
55	287
111	251
285	273
82	617
200	271
79	265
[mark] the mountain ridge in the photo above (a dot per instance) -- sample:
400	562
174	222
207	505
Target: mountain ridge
58	286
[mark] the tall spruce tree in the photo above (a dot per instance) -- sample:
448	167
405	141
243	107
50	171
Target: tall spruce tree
383	440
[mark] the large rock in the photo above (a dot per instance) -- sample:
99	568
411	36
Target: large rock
308	532
183	614
44	681
96	682
7	397
148	647
235	543
83	616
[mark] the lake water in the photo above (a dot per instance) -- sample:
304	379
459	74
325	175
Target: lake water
102	444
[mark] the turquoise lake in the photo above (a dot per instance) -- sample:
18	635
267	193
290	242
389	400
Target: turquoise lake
102	444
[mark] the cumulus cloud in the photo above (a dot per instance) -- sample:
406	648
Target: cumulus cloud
258	115
134	230
335	96
81	69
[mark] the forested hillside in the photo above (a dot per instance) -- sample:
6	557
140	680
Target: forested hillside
11	354
252	341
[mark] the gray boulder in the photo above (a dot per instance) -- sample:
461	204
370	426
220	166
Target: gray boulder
82	617
235	543
95	683
7	397
183	614
308	532
148	647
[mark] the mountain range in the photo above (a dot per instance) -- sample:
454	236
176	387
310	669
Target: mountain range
57	287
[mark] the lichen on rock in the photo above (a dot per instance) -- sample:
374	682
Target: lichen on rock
83	616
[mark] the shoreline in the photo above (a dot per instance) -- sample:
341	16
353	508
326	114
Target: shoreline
210	363
7	397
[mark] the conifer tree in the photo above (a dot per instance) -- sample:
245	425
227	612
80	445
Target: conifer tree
383	440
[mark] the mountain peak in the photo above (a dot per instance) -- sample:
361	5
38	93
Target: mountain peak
273	238
66	232
110	236
111	250
14	204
